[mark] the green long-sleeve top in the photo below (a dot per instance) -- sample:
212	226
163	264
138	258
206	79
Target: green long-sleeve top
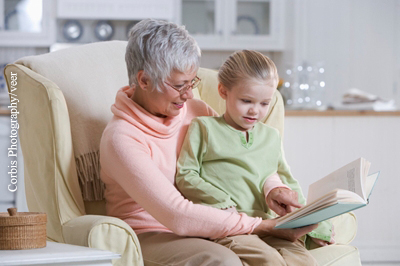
218	166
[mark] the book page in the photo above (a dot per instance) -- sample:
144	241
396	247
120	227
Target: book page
348	177
370	183
333	197
365	175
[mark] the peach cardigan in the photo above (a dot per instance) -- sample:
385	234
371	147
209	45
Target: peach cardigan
138	154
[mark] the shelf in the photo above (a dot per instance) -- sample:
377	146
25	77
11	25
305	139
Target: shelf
226	25
340	113
31	32
116	10
4	111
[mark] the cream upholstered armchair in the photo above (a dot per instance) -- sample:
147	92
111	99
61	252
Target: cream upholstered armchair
64	105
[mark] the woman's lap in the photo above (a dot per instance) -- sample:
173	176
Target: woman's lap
159	248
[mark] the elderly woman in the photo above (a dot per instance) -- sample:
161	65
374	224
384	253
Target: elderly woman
140	146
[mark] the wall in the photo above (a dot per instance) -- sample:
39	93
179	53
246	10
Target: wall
316	146
357	40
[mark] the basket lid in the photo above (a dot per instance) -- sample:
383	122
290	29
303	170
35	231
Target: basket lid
13	218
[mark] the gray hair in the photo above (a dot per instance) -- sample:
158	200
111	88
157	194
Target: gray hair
160	47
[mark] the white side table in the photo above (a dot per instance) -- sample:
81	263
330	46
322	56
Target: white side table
58	254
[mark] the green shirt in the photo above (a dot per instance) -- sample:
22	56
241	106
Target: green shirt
219	167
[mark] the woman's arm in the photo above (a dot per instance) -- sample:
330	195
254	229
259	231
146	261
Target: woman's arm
125	159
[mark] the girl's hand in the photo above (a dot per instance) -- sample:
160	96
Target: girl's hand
266	228
322	243
282	201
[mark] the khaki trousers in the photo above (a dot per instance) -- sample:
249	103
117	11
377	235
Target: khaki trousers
160	248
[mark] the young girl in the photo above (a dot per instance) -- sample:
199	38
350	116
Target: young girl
232	162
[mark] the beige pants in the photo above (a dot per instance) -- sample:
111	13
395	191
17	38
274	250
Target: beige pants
253	250
170	249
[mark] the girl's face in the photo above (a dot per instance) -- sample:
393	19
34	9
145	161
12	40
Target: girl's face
170	102
247	102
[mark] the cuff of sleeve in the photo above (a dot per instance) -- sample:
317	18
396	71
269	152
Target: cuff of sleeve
272	182
323	231
320	236
257	223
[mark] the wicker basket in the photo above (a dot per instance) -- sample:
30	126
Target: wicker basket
22	230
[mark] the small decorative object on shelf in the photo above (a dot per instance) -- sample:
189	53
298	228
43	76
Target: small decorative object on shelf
247	25
104	30
22	230
304	87
72	30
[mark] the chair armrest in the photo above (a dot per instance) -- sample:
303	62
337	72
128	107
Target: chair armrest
345	226
106	233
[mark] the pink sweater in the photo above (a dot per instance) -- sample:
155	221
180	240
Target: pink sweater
138	154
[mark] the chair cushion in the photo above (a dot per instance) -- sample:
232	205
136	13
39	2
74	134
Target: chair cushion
45	137
337	255
89	77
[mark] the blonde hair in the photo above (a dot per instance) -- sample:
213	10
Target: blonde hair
244	65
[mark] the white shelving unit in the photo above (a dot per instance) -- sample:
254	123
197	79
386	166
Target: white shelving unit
17	34
235	24
120	15
219	25
117	9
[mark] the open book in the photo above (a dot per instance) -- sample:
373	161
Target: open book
344	190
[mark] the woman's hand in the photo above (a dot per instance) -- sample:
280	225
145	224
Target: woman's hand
267	228
282	200
322	243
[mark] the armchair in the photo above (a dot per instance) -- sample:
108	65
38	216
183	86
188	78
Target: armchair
64	100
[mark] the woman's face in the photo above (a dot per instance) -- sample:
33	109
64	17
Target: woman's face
170	102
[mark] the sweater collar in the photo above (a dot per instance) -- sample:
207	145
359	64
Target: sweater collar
125	108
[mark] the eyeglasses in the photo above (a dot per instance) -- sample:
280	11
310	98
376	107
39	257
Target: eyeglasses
193	84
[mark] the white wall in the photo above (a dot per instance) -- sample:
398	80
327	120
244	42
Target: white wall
357	40
316	146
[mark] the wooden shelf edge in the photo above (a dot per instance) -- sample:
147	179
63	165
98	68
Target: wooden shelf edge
5	111
309	113
340	113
